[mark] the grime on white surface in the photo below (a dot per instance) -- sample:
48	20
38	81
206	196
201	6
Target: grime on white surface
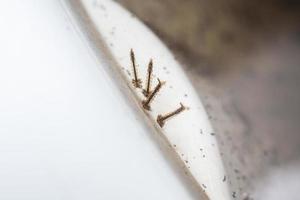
189	133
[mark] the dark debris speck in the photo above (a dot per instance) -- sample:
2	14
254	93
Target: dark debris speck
224	178
234	194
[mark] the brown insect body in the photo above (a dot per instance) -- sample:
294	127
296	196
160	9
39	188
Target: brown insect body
136	81
162	118
146	91
146	103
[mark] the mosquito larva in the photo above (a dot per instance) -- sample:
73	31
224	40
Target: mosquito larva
146	91
136	81
146	103
162	118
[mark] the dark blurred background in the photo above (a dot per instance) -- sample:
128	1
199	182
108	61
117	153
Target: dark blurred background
244	60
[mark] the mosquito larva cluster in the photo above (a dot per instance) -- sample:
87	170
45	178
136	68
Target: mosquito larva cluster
150	94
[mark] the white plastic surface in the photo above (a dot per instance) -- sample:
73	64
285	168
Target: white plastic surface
189	133
66	131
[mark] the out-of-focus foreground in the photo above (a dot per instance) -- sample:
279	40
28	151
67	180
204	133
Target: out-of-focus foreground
243	57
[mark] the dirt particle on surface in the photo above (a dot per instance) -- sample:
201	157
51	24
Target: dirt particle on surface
224	178
234	194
